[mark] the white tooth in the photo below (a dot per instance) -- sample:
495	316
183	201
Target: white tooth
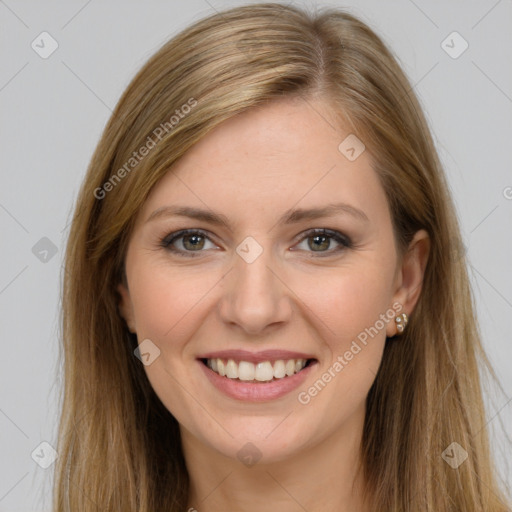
279	369
299	364
290	367
245	370
232	369
264	371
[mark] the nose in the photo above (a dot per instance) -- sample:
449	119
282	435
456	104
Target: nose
255	298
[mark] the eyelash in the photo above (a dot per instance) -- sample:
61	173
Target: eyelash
343	240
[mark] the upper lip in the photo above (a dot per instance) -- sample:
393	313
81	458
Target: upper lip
256	357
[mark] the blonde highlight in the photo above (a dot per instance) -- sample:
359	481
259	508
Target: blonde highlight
117	442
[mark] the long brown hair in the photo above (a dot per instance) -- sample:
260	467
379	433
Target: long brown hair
119	447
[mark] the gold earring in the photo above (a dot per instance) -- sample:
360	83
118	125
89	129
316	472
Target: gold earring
401	322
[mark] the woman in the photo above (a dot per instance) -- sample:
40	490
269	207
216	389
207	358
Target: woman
214	360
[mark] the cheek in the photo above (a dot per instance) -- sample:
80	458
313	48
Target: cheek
348	301
353	309
170	302
169	305
167	301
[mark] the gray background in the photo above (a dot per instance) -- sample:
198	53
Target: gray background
53	112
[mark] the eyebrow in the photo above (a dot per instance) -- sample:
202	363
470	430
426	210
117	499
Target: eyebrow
289	217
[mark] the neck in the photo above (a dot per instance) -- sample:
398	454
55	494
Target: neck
322	477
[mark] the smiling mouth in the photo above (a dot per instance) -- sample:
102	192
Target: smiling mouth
264	371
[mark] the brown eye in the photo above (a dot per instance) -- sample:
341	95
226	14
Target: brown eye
320	241
190	241
185	242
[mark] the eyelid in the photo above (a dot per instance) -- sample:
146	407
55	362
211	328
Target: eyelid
343	240
340	238
176	235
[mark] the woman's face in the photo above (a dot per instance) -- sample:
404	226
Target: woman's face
253	291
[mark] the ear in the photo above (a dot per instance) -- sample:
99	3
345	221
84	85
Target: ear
126	307
409	278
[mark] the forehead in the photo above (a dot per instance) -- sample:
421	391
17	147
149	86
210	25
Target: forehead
268	159
285	131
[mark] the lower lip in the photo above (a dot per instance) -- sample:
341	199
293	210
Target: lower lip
256	391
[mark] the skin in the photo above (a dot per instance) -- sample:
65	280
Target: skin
252	169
